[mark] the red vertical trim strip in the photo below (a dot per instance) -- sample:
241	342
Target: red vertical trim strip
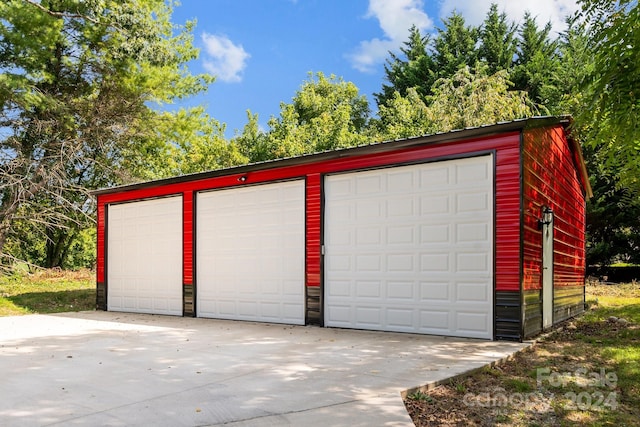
313	204
187	238
507	198
100	242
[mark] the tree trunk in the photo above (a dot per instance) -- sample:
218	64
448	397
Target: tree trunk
8	208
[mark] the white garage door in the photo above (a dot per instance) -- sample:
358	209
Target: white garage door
250	249
144	256
410	249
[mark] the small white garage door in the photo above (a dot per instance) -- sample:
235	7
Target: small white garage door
250	248
144	256
410	248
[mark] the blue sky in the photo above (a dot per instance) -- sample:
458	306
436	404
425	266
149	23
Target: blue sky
262	50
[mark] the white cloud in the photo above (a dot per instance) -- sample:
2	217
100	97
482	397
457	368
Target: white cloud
223	58
395	18
554	11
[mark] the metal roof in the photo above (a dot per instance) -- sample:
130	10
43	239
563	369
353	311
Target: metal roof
375	147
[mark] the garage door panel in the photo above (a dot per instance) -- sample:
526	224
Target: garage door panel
435	292
434	262
436	205
144	259
250	253
399	291
400	318
477	262
472	292
438	321
410	248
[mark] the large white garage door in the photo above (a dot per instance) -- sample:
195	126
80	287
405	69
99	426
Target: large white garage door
144	256
250	249
410	249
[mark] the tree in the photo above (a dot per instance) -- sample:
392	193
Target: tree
563	94
416	71
612	90
613	217
326	113
498	43
404	117
455	46
77	81
253	142
188	141
471	97
537	59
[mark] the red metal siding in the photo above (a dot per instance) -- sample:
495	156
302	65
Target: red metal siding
551	178
187	236
507	198
100	242
314	220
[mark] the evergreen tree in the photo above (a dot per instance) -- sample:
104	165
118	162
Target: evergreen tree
416	70
455	46
537	60
498	43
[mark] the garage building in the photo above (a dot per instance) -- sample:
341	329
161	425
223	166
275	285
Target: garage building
474	233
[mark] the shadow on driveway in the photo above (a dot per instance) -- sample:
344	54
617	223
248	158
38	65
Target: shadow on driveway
107	368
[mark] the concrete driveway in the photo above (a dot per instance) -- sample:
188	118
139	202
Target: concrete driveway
120	369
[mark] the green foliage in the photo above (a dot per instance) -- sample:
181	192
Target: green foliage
455	46
537	59
563	92
498	43
519	385
473	98
613	221
469	98
186	141
421	397
77	81
326	113
253	143
50	247
612	91
404	117
416	71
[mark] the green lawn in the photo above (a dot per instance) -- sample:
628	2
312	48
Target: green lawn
48	291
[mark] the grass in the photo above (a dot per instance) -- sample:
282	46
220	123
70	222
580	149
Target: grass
586	373
47	291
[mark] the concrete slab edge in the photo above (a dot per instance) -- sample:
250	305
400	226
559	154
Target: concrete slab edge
530	343
433	384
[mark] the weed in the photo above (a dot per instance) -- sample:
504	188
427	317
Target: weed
459	385
421	397
518	385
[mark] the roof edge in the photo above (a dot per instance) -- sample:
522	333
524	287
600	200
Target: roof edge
374	147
